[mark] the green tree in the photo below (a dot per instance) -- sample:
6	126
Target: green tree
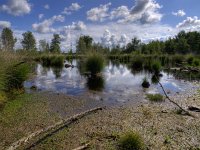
182	46
133	45
28	42
170	46
84	44
7	39
55	44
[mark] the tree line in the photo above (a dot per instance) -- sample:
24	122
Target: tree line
28	42
182	43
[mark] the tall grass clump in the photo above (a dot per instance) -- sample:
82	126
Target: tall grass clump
178	59
156	67
155	97
190	60
52	60
137	63
131	141
94	64
196	62
15	76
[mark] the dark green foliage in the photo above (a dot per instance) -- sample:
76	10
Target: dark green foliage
95	83
55	44
155	97
28	41
94	64
84	44
156	67
155	79
15	76
137	63
52	60
196	62
131	141
178	59
133	45
7	39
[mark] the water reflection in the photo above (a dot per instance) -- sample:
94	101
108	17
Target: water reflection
118	81
95	83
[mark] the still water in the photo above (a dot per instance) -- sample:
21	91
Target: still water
118	83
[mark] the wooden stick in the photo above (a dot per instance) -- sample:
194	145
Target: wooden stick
182	109
82	147
50	130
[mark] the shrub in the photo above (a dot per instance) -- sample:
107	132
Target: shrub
94	64
15	76
95	83
156	67
137	63
155	97
196	62
57	61
178	59
131	141
52	60
190	60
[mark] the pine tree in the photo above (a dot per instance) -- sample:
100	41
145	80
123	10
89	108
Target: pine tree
28	42
7	39
55	44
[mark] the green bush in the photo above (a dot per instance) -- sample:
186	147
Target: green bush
52	60
156	67
94	64
137	63
155	97
95	83
15	76
196	62
131	141
178	59
190	60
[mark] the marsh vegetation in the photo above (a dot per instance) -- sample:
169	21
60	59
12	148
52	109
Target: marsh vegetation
113	75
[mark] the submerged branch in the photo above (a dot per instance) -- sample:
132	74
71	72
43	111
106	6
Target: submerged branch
181	108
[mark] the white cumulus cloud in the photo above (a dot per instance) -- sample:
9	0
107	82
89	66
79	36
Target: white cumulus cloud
190	23
5	24
98	13
46	25
16	7
179	13
70	9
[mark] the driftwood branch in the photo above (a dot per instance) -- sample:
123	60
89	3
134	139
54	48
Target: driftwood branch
50	130
181	108
82	147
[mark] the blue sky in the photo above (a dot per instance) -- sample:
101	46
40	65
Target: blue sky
108	22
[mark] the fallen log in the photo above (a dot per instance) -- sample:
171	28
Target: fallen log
50	130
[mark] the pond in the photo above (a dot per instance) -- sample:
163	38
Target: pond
118	83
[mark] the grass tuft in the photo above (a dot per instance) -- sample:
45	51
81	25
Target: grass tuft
94	64
131	141
155	97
